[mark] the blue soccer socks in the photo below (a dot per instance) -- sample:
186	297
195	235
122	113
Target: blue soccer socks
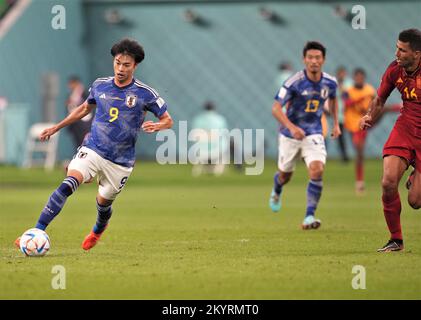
56	202
104	215
314	191
277	186
275	196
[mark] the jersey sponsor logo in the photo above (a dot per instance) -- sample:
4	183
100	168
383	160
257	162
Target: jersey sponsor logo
399	80
131	100
102	96
310	93
116	98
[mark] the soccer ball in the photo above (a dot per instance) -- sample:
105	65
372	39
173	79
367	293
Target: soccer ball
34	242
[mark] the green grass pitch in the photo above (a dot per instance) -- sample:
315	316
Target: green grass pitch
177	237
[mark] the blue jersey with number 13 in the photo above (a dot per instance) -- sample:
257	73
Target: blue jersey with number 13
304	101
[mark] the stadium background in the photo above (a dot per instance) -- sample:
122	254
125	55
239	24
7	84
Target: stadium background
232	60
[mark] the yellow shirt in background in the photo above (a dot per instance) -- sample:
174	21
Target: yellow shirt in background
361	99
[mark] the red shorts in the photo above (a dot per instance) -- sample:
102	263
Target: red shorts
403	143
359	137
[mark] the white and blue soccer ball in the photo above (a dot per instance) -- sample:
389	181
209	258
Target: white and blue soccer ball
34	243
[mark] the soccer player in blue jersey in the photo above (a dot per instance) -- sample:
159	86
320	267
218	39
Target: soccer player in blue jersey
303	96
121	103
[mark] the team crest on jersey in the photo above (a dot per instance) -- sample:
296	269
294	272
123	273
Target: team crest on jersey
131	100
324	92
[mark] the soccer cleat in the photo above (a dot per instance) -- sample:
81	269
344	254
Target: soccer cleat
17	242
410	179
310	223
275	201
91	240
392	245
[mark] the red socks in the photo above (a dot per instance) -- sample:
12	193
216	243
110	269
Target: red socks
359	172
392	212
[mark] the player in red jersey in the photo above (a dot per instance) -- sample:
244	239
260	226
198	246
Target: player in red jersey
403	148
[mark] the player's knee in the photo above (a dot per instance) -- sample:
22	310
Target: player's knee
415	205
389	185
414	201
316	173
316	169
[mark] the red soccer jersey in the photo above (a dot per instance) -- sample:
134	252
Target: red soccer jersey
410	88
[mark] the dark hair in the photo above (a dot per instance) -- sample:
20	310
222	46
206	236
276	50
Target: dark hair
359	70
73	78
129	47
413	36
341	68
209	106
314	45
285	65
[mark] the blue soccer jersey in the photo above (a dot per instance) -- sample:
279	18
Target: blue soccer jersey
304	101
120	112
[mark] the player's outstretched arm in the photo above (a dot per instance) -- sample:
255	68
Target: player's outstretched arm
374	112
333	109
83	110
165	122
279	115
